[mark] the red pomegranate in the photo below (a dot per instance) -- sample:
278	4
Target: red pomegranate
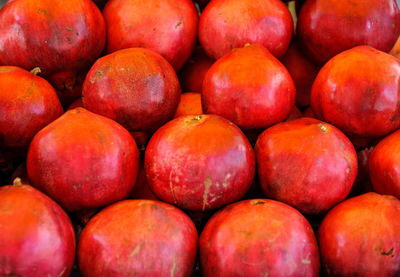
135	87
190	104
199	162
358	92
83	160
249	87
27	104
37	237
168	27
327	27
62	38
306	163
396	49
361	237
258	237
138	238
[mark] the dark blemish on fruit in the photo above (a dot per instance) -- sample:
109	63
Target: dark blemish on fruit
257	202
178	24
389	253
41	11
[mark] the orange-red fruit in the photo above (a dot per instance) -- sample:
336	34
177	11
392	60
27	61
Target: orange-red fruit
199	162
135	87
306	163
83	160
361	237
396	49
190	104
27	104
37	237
168	27
228	24
258	237
249	87
138	238
327	27
358	92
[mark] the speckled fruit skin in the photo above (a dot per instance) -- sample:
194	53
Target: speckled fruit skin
138	238
135	87
327	27
228	24
384	165
358	92
168	27
60	37
258	237
83	160
249	87
306	163
199	162
190	104
27	104
361	237
37	237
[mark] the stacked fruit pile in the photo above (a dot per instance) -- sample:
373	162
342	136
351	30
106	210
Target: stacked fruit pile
281	157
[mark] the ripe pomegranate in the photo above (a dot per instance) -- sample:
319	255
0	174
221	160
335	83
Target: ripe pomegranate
168	27
83	160
249	87
190	104
306	163
361	237
135	87
199	162
327	27
358	92
228	24
27	104
138	238
258	238
37	237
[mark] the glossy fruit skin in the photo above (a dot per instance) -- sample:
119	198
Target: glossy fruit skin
135	87
358	92
199	163
361	237
228	24
27	104
258	237
168	27
384	163
37	237
306	163
138	238
327	27
83	160
190	104
249	87
57	36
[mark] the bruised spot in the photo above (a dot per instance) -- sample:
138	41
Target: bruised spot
99	74
194	120
178	24
389	253
41	11
257	202
207	186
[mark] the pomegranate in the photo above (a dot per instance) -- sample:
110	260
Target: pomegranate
190	104
37	237
83	160
294	114
327	27
396	49
199	162
138	238
258	237
307	164
135	87
168	27
361	237
249	87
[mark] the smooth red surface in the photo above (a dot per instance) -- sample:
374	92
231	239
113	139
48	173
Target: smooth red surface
361	237
327	27
228	24
249	87
306	163
358	92
190	104
138	238
168	27
199	162
135	87
27	104
37	237
258	237
83	160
